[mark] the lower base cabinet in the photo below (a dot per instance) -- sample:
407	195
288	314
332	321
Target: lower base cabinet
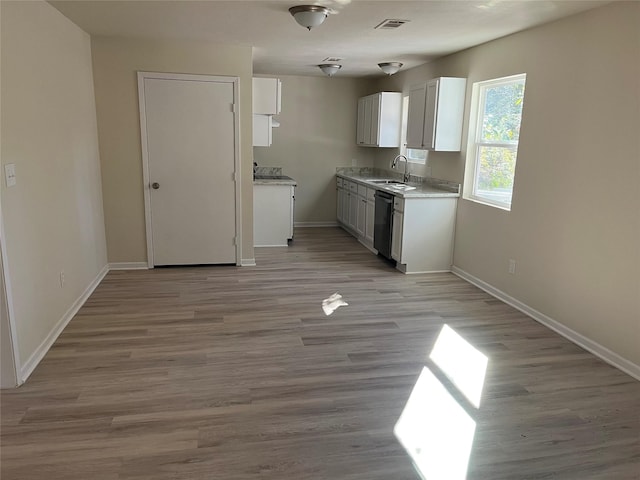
422	230
272	215
423	234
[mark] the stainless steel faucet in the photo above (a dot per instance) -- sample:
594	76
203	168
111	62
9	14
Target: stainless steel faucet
394	164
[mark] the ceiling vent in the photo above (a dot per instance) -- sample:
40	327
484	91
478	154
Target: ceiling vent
390	23
332	60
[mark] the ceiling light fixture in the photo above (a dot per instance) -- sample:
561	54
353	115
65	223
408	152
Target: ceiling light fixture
329	68
390	67
309	16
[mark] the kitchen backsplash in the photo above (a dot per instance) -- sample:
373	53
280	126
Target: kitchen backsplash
271	171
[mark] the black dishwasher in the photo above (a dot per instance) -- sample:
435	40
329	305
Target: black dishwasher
382	229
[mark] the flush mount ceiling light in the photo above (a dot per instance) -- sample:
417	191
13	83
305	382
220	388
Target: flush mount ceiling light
390	67
309	16
330	68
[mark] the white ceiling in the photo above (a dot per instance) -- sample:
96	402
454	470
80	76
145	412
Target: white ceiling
282	47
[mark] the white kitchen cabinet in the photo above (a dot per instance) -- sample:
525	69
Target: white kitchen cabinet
267	93
370	217
262	128
339	200
415	115
379	120
422	237
272	214
353	206
362	217
396	236
345	206
435	116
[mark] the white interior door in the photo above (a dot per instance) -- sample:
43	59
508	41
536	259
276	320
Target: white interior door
189	134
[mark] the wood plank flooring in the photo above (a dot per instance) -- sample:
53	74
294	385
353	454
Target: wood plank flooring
236	373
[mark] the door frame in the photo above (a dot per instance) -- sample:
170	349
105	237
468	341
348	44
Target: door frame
146	186
12	341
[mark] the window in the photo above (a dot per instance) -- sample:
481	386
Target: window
412	154
494	130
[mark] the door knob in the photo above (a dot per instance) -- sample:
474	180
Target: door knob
155	185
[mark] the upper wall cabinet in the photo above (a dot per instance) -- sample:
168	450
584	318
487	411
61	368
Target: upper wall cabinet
435	117
379	120
266	96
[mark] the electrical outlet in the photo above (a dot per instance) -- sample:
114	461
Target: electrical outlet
512	266
61	278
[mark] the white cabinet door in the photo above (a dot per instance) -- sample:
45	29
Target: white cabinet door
370	222
436	111
447	110
379	120
267	94
415	117
353	209
362	216
339	197
368	109
360	125
430	114
345	206
396	236
272	215
375	118
262	130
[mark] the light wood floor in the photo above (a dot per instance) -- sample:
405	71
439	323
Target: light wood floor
235	373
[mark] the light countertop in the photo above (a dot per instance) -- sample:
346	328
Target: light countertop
422	189
274	180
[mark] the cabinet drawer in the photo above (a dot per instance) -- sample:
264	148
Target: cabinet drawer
353	187
398	204
371	194
362	190
339	182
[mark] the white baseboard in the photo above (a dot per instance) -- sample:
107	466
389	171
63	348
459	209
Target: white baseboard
128	266
248	262
36	357
315	224
598	350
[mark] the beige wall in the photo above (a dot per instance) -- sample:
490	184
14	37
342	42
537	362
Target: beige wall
116	62
317	133
53	217
574	227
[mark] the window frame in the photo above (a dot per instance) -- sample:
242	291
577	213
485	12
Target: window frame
475	142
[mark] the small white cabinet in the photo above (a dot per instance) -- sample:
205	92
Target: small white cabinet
397	226
371	217
353	206
267	93
355	209
272	214
339	199
379	120
422	234
262	130
435	116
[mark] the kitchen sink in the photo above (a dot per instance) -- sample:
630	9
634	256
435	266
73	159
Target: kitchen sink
387	182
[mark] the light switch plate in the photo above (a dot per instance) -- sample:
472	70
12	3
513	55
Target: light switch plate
10	174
